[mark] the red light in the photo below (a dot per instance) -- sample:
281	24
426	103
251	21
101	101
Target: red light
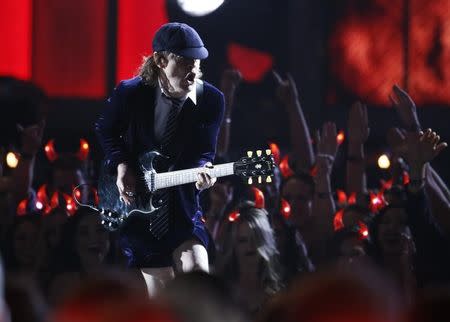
376	202
352	198
22	208
50	151
285	208
233	216
340	137
253	64
54	201
259	198
16	23
363	230
42	194
342	196
285	169
135	18
338	220
83	152
406	178
385	185
313	171
275	152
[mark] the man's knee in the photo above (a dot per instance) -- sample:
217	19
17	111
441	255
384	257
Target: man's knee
190	256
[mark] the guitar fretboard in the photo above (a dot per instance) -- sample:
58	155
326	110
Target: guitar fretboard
179	177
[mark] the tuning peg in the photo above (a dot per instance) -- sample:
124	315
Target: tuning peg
249	154
250	181
259	179
269	179
258	153
268	152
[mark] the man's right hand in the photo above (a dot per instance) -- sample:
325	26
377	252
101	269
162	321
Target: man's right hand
126	183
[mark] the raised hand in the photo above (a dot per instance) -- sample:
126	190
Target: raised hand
405	108
422	147
326	141
230	80
286	88
31	137
358	124
327	147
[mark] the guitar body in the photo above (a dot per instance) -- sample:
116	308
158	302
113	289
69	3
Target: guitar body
150	192
116	213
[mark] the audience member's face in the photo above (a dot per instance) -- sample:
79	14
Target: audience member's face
181	73
299	195
53	227
394	235
246	248
352	252
91	241
25	244
352	248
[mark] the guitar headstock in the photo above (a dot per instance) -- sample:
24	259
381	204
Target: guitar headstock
256	167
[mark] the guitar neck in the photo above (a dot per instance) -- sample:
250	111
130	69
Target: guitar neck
180	177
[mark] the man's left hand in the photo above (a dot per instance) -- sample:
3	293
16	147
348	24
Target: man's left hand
205	181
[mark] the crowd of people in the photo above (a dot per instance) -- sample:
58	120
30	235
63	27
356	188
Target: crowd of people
295	249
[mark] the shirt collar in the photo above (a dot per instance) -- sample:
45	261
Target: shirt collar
192	95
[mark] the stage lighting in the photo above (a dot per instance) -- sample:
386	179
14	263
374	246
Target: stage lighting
12	160
198	8
383	161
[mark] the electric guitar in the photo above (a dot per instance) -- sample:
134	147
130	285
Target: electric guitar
255	167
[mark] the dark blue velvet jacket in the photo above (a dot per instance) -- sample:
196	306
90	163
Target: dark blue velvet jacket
126	130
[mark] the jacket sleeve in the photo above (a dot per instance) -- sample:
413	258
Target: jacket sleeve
209	131
110	128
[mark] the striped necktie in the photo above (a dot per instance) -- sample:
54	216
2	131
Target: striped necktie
159	224
171	126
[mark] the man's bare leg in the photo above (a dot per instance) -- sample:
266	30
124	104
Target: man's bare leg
156	278
190	256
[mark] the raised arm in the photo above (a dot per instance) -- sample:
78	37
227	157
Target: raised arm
22	176
358	132
299	131
437	190
323	206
